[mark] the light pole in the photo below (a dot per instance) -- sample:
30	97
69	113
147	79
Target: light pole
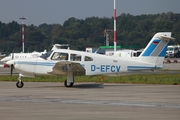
106	34
115	26
23	18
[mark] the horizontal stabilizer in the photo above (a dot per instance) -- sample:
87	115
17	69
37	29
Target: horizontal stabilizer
167	37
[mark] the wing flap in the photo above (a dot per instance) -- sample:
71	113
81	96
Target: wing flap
63	67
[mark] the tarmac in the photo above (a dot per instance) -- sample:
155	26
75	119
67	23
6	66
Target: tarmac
87	101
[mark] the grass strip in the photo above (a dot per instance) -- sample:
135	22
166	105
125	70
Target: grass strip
170	79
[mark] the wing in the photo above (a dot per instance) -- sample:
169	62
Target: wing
63	67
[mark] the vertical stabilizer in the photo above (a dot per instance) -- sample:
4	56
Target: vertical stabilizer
155	51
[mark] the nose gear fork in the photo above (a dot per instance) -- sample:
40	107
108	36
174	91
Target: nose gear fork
19	83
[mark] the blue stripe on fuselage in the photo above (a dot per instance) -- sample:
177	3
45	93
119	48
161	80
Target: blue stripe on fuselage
36	63
131	68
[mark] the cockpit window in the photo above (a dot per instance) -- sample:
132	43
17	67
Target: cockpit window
75	57
87	58
59	56
46	55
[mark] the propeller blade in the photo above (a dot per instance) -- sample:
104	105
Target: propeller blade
12	56
12	67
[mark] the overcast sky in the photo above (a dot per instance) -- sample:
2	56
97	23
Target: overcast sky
57	11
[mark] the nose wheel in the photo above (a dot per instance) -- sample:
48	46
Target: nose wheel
19	83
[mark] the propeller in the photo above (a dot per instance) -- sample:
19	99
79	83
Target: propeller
11	64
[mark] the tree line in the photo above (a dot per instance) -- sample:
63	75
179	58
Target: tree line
89	32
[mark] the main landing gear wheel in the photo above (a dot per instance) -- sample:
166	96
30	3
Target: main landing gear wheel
68	84
19	84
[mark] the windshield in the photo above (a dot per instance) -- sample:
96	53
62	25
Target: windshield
46	55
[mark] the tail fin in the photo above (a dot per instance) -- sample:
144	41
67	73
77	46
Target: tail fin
155	51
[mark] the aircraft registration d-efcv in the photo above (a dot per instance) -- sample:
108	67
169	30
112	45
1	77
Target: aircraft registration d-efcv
72	63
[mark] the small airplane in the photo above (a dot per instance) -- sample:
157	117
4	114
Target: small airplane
2	55
72	63
20	56
27	55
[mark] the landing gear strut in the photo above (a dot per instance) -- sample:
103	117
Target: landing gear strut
19	83
69	82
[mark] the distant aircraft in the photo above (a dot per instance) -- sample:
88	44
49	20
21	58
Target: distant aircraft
29	55
59	46
75	63
21	55
128	53
2	55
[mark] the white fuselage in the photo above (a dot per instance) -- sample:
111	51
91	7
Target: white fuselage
96	64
